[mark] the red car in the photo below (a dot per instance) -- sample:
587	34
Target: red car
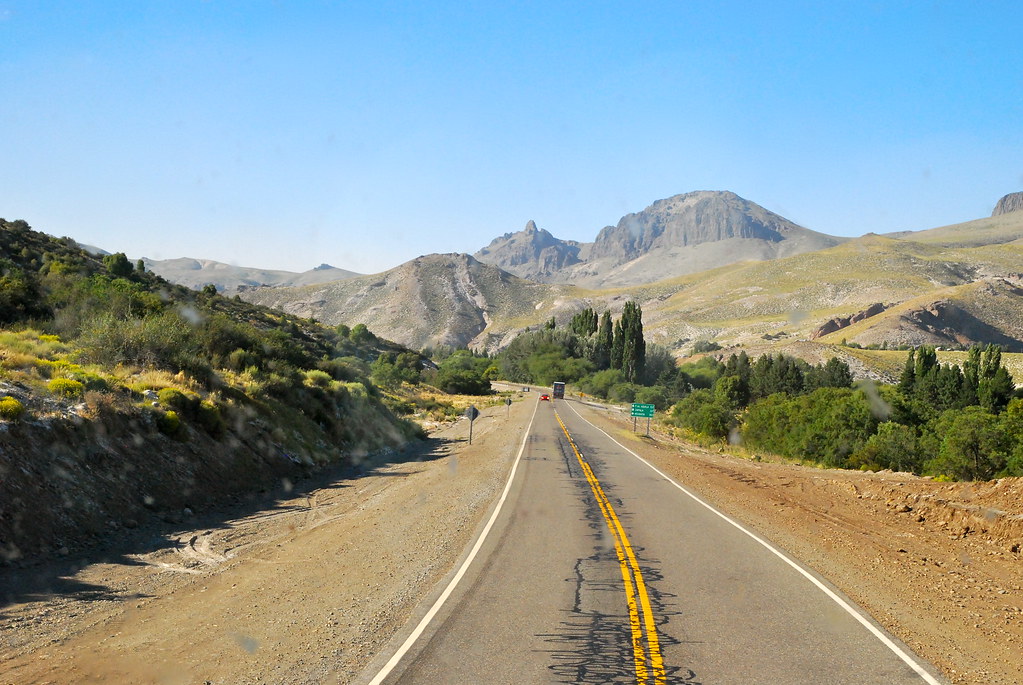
545	397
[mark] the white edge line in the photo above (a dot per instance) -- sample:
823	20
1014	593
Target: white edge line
901	653
432	613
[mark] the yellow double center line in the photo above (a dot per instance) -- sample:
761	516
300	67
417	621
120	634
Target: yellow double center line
646	653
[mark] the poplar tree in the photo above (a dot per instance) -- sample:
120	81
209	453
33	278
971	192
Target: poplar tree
605	339
633	345
617	345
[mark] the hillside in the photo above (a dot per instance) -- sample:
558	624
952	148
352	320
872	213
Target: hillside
998	229
124	398
449	299
927	292
196	273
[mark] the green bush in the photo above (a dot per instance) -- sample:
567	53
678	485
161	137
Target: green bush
10	408
66	387
186	404
210	419
318	378
169	423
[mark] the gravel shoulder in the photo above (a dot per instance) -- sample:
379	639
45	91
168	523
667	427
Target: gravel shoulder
309	588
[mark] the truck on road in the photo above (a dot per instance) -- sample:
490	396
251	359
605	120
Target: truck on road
558	390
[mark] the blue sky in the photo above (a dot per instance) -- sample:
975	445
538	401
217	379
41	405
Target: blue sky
287	134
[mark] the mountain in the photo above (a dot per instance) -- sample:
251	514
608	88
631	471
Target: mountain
869	290
1013	202
676	236
439	299
196	273
531	253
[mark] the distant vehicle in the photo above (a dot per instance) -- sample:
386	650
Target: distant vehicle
545	397
558	390
526	389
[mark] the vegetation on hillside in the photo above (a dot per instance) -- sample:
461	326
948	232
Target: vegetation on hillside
105	332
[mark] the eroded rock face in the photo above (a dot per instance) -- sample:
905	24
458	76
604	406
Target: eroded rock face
838	323
1013	202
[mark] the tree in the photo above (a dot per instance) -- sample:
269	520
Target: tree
995	386
908	377
892	446
605	341
973	445
617	346
584	323
633	345
118	265
360	334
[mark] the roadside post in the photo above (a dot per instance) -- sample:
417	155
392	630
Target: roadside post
507	403
471	413
643	411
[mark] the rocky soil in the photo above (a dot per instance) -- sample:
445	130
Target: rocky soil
308	587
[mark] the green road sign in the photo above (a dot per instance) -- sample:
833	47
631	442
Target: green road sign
643	411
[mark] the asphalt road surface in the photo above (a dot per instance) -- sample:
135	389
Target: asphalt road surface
597	569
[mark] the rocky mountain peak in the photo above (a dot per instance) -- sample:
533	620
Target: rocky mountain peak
1013	202
531	253
691	219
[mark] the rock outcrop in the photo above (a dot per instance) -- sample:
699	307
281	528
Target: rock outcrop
840	322
1013	202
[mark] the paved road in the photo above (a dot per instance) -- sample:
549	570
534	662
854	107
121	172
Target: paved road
599	570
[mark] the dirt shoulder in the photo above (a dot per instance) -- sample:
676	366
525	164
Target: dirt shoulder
938	564
306	590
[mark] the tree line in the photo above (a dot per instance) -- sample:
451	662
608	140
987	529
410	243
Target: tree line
961	422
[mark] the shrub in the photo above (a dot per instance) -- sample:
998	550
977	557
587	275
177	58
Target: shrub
701	346
318	378
66	387
210	419
240	359
654	395
169	423
11	409
100	404
179	401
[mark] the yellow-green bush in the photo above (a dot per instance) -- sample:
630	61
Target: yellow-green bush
169	423
318	378
65	387
10	408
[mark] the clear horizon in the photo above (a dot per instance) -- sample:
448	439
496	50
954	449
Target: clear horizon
366	134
